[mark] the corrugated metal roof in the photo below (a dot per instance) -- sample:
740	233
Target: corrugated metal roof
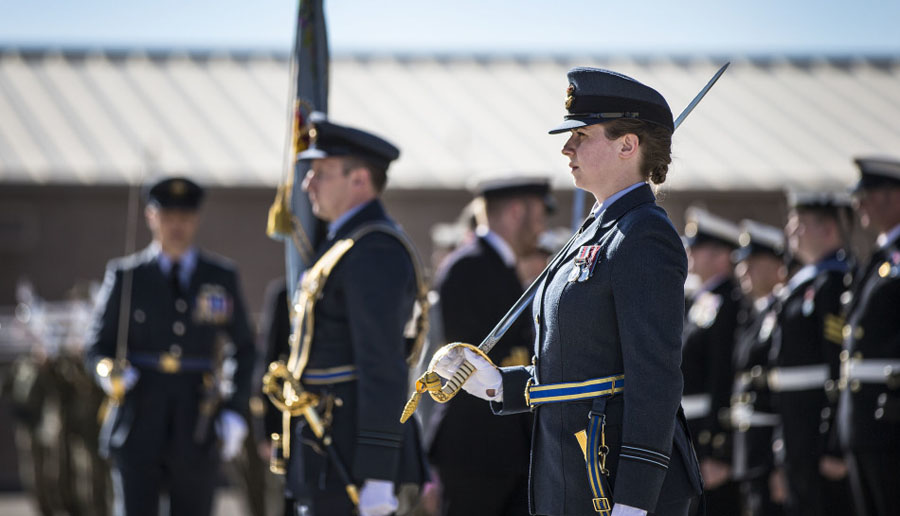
100	116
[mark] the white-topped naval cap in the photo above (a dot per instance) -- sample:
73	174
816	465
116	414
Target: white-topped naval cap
703	226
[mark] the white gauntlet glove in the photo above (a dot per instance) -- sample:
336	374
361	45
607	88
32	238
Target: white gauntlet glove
129	377
627	510
485	383
376	498
232	430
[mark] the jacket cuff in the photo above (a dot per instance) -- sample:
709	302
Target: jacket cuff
377	455
639	476
515	379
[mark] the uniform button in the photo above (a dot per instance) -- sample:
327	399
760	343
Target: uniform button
175	350
181	306
178	328
858	355
858	333
845	355
139	316
756	371
847	330
855	385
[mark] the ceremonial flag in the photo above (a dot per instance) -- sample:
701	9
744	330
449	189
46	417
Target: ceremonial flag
290	217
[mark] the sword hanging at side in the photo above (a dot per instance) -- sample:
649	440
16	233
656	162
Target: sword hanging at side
115	368
430	382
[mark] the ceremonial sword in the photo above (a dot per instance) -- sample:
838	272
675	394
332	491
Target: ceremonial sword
466	369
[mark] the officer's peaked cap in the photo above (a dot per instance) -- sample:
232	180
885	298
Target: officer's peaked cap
757	238
517	186
174	193
328	139
595	96
877	172
703	227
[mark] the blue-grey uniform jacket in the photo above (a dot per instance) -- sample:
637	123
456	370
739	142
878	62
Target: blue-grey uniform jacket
626	318
160	412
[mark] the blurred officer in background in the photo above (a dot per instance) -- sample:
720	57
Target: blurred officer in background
491	478
804	352
869	407
761	270
176	315
710	327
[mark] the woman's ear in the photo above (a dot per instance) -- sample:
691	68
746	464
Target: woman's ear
629	147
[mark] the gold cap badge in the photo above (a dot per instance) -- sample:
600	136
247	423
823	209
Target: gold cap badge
569	98
178	188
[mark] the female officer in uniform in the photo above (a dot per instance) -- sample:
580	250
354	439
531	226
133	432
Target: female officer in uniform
605	385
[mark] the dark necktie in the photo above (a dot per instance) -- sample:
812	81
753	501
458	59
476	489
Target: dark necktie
174	279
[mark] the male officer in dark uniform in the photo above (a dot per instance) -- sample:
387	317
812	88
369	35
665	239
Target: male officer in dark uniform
491	478
805	350
761	270
869	406
186	329
356	347
711	322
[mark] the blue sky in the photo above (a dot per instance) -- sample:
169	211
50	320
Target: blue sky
462	26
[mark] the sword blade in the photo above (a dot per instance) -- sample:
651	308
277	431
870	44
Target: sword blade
513	314
690	107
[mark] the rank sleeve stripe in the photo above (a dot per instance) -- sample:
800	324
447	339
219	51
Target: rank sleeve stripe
644	459
653	453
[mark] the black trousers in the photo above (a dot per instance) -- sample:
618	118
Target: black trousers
137	485
465	494
874	482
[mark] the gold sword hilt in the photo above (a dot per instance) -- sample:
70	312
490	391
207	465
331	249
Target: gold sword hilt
430	382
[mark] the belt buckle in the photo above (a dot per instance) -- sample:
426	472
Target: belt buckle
169	363
601	505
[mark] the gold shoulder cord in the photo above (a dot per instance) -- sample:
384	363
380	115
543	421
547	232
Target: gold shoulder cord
282	382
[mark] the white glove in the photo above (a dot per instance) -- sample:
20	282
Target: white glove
129	377
627	510
232	430
485	383
376	498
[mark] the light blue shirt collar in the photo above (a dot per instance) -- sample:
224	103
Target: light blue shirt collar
600	206
336	224
188	263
